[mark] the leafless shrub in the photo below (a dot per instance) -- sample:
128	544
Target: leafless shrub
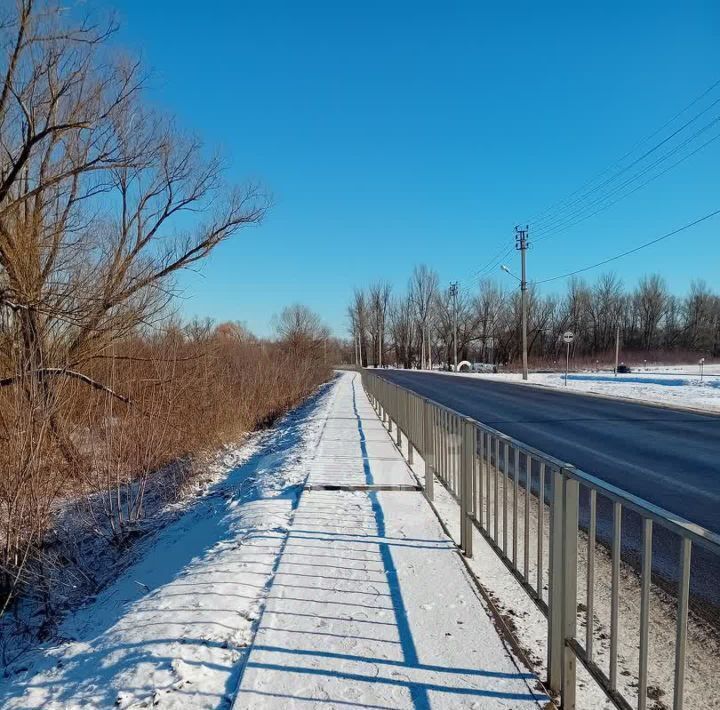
102	203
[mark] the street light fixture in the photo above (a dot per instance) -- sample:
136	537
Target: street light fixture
507	271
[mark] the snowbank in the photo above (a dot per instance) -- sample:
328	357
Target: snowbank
172	629
672	385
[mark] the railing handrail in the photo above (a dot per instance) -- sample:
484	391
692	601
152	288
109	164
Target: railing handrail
676	523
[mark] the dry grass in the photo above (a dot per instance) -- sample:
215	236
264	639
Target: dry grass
188	392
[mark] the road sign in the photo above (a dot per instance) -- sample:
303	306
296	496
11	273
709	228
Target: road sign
568	337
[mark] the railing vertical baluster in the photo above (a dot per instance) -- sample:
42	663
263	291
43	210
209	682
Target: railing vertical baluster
541	530
439	443
481	478
615	593
569	571
451	485
435	443
446	442
488	462
428	450
468	456
526	529
457	451
463	491
411	432
389	411
682	618
515	489
590	595
445	434
556	640
644	612
444	430
451	441
506	478
496	469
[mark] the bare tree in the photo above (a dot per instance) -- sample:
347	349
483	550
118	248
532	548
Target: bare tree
651	303
301	328
378	303
488	306
102	203
468	323
359	320
423	289
401	330
74	132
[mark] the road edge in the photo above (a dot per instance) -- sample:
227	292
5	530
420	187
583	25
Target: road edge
548	388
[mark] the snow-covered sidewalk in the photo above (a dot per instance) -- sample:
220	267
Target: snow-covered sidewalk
371	606
278	588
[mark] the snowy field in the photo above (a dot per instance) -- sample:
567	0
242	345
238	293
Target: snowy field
678	385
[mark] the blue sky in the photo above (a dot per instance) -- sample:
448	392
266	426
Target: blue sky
395	133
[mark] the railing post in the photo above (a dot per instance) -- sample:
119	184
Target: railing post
569	567
398	425
390	410
555	596
461	491
408	427
428	450
562	600
466	487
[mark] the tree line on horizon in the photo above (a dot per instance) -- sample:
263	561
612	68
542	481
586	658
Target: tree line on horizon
414	327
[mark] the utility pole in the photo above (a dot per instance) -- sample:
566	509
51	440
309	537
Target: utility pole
521	243
429	350
454	293
380	340
617	349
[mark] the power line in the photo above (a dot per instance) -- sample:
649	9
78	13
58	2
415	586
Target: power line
491	265
573	208
605	194
644	170
631	251
564	226
537	217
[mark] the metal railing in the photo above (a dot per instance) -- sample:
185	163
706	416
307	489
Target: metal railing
526	504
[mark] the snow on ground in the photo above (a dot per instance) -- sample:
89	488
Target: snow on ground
371	606
171	631
261	594
678	386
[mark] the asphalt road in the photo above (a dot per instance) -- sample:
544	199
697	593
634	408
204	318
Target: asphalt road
668	457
